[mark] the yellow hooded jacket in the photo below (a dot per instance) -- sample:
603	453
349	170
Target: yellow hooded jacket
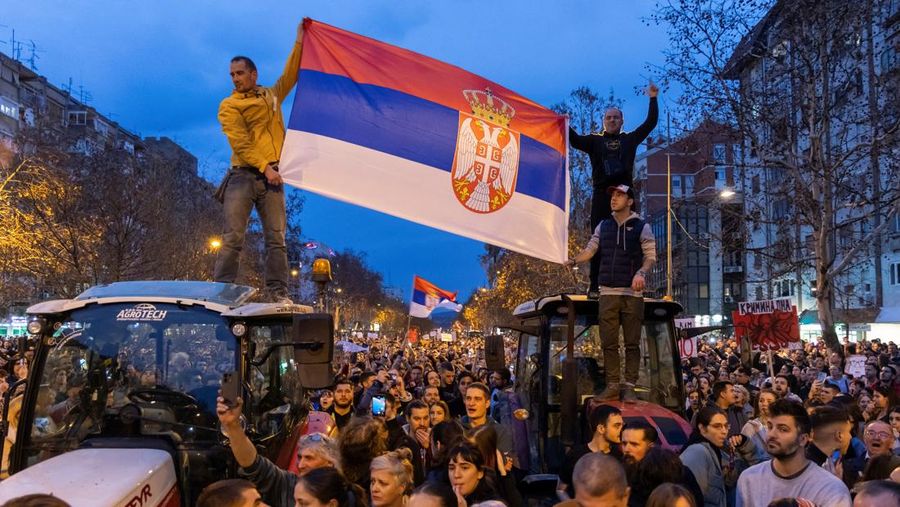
253	122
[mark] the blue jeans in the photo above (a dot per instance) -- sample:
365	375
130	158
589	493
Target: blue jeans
247	188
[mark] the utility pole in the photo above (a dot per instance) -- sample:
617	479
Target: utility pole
668	296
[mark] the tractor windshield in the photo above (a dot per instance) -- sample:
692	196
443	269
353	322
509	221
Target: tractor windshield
164	362
657	381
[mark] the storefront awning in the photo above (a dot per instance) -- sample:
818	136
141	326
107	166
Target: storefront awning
889	315
848	316
808	317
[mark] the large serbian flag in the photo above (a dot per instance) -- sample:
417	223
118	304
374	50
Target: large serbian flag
428	297
392	130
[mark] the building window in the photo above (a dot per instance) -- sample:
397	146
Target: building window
689	185
897	222
77	117
676	186
9	108
754	184
101	127
704	291
719	153
895	273
759	292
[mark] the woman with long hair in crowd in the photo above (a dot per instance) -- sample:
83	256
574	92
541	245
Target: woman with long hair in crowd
444	437
392	478
360	442
498	469
670	495
756	429
705	388
693	403
864	401
322	486
715	459
438	412
466	472
743	401
883	398
659	466
433	494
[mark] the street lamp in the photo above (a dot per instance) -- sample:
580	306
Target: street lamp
726	193
215	243
668	296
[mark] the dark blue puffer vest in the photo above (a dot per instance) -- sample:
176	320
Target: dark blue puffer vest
620	251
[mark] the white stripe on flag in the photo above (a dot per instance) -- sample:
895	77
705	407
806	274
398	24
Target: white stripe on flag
417	310
420	193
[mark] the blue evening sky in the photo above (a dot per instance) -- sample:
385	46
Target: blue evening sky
160	67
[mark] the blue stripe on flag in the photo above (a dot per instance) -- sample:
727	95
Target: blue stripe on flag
418	297
410	127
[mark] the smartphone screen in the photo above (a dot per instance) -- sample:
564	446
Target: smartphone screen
378	405
822	375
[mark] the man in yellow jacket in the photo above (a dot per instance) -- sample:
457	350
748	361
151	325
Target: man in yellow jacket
251	120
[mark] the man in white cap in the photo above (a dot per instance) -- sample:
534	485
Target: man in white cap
627	251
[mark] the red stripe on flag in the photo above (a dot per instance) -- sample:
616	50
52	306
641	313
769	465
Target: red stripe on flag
365	60
431	289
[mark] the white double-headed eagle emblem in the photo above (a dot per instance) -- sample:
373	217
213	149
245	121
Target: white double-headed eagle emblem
486	162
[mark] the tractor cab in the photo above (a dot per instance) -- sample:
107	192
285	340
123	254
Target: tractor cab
125	378
559	370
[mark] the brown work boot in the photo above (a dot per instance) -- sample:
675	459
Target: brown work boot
628	394
610	393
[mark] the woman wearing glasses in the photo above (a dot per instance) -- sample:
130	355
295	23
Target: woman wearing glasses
715	459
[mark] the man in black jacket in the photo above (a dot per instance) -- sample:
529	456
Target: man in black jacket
612	155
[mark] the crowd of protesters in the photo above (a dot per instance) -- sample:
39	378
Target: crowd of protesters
428	424
799	431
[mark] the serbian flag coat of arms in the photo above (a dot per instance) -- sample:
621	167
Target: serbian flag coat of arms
386	128
426	297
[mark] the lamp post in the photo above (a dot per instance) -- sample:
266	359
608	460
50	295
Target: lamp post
668	296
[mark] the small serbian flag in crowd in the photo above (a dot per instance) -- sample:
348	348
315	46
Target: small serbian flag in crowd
395	131
428	297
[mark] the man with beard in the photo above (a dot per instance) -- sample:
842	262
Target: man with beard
342	409
432	395
790	474
605	424
782	387
419	438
